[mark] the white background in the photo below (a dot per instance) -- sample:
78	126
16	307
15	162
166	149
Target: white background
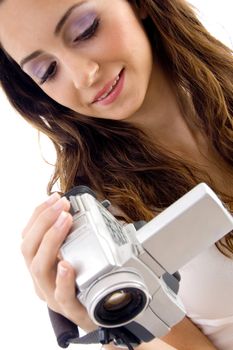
24	323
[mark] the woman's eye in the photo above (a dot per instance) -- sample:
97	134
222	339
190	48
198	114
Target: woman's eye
51	71
88	33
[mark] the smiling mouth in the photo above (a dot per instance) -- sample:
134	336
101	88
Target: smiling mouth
109	89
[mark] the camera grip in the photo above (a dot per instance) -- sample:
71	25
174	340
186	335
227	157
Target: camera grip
67	332
63	328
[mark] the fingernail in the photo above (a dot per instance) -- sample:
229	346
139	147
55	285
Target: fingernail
53	198
61	219
60	204
62	270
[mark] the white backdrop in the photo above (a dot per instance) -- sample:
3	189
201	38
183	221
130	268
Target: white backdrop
24	323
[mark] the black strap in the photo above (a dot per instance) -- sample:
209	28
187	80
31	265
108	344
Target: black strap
67	332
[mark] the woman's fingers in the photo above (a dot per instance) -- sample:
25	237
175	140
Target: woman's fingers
38	210
54	281
43	218
65	296
44	264
43	222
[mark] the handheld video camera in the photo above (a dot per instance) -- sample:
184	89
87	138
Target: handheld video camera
127	277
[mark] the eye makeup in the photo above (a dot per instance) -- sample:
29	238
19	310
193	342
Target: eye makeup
77	30
51	71
80	28
41	67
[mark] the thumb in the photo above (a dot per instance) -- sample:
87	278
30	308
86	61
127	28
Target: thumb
66	297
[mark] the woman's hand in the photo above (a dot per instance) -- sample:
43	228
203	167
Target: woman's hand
54	279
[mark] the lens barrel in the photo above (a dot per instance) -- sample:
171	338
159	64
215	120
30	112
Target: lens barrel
128	307
117	299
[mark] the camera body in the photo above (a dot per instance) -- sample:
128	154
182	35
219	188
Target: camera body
125	276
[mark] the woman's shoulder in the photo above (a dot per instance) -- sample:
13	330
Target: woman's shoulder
206	285
206	290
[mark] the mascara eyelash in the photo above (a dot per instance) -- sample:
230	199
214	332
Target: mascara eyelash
88	34
49	73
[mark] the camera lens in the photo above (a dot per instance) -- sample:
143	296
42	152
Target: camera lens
117	300
120	306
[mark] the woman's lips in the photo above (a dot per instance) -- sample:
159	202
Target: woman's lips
112	89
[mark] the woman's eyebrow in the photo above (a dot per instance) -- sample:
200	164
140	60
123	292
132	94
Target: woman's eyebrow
57	31
64	18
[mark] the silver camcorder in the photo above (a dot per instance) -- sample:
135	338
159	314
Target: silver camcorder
125	277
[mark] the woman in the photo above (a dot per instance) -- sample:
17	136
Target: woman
137	99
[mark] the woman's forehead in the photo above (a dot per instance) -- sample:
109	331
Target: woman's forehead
25	22
13	12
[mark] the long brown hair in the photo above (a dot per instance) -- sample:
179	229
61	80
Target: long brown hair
114	158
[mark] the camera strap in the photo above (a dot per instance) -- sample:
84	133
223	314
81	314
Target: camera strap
67	333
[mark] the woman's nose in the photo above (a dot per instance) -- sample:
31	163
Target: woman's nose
82	71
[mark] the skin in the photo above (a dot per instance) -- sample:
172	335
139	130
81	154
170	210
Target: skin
83	69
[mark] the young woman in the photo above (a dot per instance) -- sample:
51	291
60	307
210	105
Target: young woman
137	98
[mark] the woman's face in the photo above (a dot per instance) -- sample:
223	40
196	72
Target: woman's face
91	56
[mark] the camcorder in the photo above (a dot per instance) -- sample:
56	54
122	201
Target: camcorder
127	274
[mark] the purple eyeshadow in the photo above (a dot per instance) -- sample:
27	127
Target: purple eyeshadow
80	25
